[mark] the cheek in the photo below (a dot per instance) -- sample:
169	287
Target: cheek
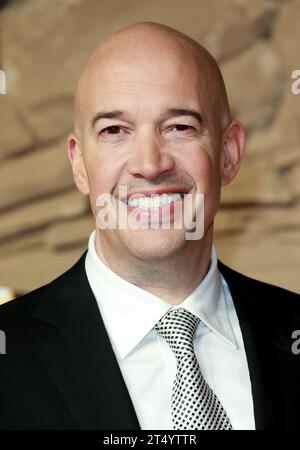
204	170
101	181
103	173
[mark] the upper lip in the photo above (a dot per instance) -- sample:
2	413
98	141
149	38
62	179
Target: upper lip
157	191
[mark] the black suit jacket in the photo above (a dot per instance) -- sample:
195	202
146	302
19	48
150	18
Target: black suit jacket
60	371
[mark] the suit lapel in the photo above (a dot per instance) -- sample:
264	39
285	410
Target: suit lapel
79	357
272	366
80	360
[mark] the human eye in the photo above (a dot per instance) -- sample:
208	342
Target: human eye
183	128
112	129
113	134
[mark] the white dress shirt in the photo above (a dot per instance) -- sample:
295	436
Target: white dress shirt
147	363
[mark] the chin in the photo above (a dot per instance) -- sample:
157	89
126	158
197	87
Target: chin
154	245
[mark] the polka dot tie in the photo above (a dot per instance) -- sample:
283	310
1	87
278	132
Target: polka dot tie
194	404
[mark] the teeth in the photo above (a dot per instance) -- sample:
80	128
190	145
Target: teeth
154	202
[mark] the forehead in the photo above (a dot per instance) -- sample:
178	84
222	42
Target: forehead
143	85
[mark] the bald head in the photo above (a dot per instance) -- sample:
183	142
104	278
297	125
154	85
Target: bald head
151	45
152	116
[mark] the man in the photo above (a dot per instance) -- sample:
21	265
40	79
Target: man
149	330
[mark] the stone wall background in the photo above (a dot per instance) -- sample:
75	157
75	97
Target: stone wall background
45	222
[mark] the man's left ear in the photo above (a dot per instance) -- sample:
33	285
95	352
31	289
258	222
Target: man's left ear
233	142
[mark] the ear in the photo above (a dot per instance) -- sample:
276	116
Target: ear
233	143
77	163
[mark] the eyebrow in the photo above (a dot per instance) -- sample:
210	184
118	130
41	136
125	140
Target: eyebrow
173	112
107	115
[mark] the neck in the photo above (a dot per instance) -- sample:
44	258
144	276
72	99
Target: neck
173	279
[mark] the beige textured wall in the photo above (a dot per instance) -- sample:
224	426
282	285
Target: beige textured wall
44	222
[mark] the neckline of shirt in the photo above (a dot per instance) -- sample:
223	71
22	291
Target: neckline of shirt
129	312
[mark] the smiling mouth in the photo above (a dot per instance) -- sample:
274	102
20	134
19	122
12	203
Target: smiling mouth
153	201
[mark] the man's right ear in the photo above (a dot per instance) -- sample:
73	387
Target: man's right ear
77	163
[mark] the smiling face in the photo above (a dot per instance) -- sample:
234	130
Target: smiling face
150	114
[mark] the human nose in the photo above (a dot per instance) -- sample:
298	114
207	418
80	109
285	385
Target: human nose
149	156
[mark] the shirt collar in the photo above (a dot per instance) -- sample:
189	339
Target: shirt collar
130	313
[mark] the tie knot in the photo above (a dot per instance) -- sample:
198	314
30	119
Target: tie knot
178	328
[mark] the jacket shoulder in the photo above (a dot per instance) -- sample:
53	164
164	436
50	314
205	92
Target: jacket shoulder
14	312
252	289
